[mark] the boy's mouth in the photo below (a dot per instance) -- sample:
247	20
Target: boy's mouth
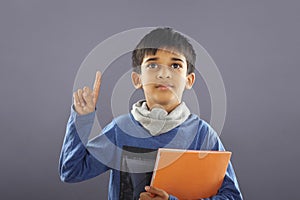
164	86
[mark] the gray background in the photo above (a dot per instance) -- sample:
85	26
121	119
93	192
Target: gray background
255	44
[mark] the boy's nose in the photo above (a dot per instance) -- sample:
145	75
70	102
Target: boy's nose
164	72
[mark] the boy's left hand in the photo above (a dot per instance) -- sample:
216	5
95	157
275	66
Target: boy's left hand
154	193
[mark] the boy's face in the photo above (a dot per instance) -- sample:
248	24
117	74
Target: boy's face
163	78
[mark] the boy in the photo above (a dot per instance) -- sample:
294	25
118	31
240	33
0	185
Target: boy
163	67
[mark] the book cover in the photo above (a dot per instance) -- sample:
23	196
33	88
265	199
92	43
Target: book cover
190	174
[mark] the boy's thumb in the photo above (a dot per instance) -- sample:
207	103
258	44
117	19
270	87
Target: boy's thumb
154	190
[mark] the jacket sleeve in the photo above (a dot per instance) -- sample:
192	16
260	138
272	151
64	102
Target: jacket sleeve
76	163
230	189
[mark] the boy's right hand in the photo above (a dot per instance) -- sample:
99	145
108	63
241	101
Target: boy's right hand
85	99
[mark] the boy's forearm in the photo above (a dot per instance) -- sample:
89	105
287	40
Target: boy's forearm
76	164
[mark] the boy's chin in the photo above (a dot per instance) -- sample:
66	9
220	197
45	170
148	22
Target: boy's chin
162	103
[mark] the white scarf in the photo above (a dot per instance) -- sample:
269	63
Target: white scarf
158	121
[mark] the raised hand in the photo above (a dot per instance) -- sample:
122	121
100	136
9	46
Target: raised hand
85	99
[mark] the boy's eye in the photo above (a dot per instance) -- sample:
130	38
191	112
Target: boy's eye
176	66
152	65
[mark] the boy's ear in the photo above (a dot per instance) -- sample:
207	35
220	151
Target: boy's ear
190	80
136	80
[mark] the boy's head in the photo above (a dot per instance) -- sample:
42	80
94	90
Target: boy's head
163	65
163	38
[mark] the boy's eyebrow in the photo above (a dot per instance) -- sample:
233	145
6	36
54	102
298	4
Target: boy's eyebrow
156	58
151	59
177	59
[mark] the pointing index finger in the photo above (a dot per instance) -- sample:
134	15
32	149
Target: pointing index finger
96	87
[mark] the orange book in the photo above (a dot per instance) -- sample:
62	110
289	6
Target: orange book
190	174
